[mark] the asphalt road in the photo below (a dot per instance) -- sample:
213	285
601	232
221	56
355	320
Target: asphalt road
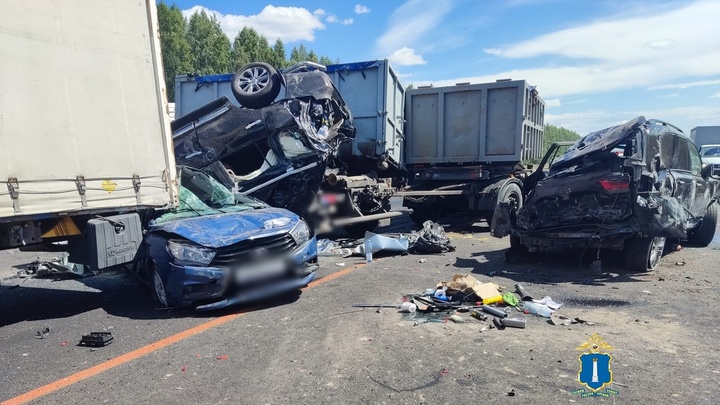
316	348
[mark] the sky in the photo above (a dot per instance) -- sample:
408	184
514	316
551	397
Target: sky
595	63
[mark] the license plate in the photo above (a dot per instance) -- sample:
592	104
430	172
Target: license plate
260	271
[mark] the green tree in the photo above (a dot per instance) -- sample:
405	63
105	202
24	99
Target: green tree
324	60
176	55
410	87
279	57
209	46
312	57
299	54
265	52
554	134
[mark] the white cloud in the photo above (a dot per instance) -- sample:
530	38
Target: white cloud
683	86
619	52
360	9
406	57
716	95
332	18
592	120
287	23
555	102
411	22
319	12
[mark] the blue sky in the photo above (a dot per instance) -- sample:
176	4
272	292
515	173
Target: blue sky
596	63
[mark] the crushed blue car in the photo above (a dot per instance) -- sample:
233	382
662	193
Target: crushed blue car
218	249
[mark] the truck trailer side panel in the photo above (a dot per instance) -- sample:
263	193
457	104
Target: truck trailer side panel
83	112
480	123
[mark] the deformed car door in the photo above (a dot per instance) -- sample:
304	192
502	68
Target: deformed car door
702	192
675	157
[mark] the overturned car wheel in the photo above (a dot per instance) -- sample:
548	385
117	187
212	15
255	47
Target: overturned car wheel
643	254
256	85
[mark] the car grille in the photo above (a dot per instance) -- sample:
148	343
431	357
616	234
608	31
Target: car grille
241	251
716	170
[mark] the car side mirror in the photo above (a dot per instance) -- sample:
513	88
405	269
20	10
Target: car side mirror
707	171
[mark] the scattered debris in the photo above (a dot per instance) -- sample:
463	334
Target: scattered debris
548	302
408	307
646	292
430	239
340	264
679	263
456	318
379	243
511	393
327	247
42	334
223	357
538	309
96	339
422	261
514	322
57	266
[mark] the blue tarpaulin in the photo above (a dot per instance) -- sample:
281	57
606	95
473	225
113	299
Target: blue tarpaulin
352	66
214	78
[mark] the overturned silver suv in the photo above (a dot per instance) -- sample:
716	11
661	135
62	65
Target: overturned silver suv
628	187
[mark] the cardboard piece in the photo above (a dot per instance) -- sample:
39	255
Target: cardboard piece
468	283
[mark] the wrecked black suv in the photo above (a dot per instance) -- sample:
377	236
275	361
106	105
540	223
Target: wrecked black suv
627	188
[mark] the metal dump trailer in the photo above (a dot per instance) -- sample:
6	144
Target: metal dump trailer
465	145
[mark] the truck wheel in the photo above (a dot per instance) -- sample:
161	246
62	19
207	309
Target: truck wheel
704	234
509	193
256	85
357	231
643	254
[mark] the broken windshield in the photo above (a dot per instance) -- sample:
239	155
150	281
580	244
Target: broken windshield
201	195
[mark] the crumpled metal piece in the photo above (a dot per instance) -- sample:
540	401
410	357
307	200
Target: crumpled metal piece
430	239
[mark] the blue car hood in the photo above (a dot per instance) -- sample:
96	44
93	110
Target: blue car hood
216	231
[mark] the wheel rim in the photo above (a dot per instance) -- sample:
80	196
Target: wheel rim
253	80
159	288
656	250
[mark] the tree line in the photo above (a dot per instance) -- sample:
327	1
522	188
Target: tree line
198	45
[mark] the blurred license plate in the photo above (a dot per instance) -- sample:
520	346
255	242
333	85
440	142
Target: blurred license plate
260	271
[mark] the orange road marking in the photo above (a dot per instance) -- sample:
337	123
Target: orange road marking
145	350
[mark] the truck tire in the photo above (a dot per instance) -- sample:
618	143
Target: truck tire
704	234
510	192
643	254
256	85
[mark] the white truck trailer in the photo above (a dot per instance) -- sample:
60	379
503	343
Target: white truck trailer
84	127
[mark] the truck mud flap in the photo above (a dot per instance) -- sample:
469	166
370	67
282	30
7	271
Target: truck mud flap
500	225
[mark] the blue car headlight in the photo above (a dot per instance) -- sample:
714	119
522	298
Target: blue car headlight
301	232
189	254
